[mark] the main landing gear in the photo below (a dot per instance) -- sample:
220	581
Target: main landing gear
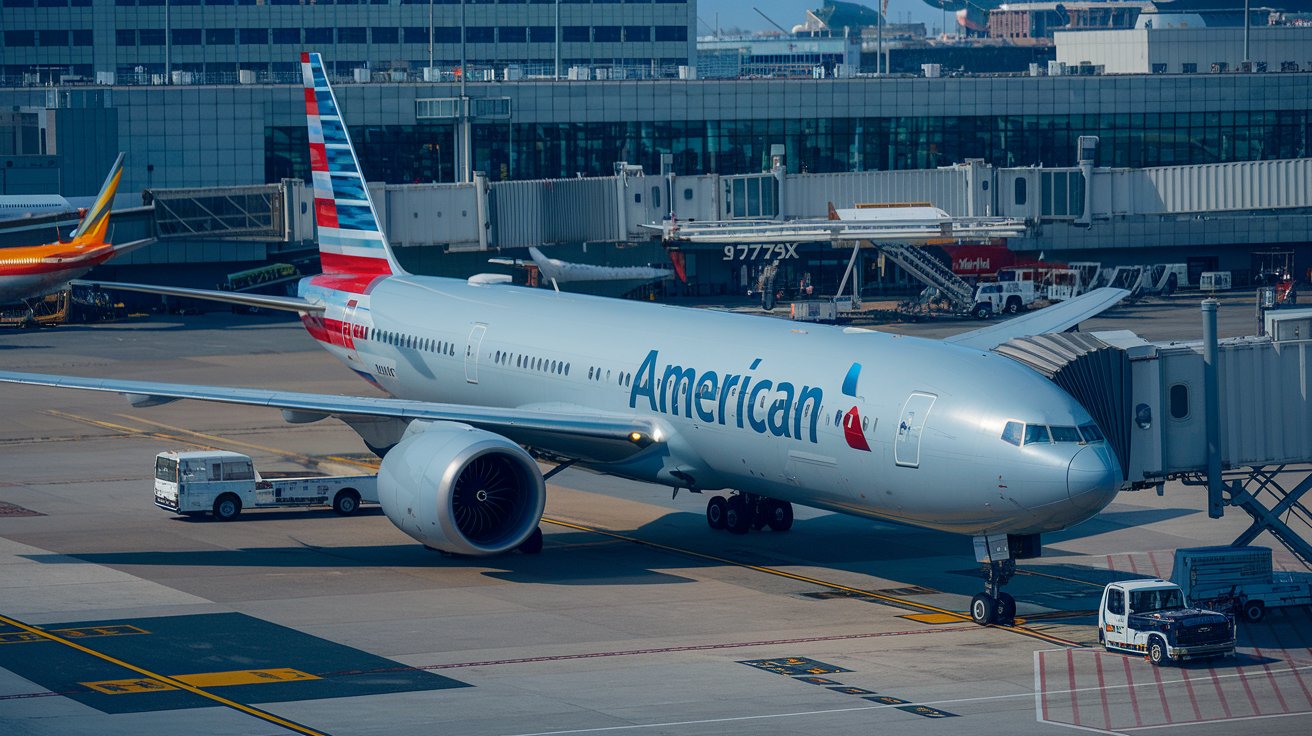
742	512
1000	553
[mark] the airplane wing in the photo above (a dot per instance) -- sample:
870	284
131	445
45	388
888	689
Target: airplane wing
1056	318
284	303
619	435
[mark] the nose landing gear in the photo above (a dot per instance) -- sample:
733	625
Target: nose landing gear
743	512
994	606
1000	553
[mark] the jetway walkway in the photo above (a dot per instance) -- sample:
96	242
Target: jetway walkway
1149	400
258	213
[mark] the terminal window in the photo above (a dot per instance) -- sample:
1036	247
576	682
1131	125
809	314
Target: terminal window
385	35
253	36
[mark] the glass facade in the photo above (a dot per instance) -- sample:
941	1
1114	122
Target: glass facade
508	150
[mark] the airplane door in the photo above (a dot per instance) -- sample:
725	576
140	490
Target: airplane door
906	448
472	347
348	324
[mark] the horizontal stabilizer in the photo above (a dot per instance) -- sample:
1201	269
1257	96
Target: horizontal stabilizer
283	303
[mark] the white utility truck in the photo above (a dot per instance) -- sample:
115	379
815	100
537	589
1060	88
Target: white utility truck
1003	296
1239	580
223	483
1152	618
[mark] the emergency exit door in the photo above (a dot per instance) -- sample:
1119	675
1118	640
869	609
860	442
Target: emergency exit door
906	447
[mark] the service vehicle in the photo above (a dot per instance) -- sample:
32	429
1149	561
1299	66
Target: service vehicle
1153	618
223	483
1214	281
1003	296
1238	580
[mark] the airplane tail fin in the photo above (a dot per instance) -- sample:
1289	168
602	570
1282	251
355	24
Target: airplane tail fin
833	213
95	224
351	239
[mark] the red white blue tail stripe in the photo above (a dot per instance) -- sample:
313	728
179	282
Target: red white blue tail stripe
351	242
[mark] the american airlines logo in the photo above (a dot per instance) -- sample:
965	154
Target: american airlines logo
748	400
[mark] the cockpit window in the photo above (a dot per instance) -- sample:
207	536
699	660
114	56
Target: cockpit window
1091	433
1065	434
1013	433
1036	434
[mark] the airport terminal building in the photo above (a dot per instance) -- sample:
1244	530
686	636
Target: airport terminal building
454	150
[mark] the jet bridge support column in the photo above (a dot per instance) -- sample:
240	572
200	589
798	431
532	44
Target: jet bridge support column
1212	410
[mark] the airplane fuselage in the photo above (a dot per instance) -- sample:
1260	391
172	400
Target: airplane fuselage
861	422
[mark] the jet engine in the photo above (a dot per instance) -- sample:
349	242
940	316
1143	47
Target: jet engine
461	490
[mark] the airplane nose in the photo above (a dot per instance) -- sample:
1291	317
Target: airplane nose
1092	479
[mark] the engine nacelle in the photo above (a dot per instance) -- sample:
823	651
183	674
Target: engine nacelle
460	489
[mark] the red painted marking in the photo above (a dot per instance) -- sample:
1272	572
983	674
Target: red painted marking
337	334
1133	568
1271	677
1043	683
1134	699
1161	693
852	431
357	265
1110	564
1156	571
1275	630
325	212
1243	680
1189	685
305	57
1220	694
311	103
1102	693
1075	696
314	326
318	157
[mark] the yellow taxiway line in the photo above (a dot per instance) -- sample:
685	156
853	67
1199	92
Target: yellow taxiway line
166	680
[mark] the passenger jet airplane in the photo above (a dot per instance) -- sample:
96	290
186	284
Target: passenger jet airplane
33	271
940	434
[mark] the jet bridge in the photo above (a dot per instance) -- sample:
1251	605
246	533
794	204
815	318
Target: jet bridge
1150	400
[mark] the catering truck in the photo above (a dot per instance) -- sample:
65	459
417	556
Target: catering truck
1238	580
224	483
1152	618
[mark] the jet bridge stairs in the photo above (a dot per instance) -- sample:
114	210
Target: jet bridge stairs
1148	399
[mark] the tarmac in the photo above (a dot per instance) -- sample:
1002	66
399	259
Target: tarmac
117	617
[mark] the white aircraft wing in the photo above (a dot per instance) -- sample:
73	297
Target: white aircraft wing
1056	318
621	435
284	303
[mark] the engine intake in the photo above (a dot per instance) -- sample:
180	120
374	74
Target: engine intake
460	489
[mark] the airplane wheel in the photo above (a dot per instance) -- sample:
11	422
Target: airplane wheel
780	516
1004	609
227	507
533	544
737	517
715	512
982	609
1157	652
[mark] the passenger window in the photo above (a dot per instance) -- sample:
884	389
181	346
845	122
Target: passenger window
1116	602
1013	433
1179	401
1065	434
1036	434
